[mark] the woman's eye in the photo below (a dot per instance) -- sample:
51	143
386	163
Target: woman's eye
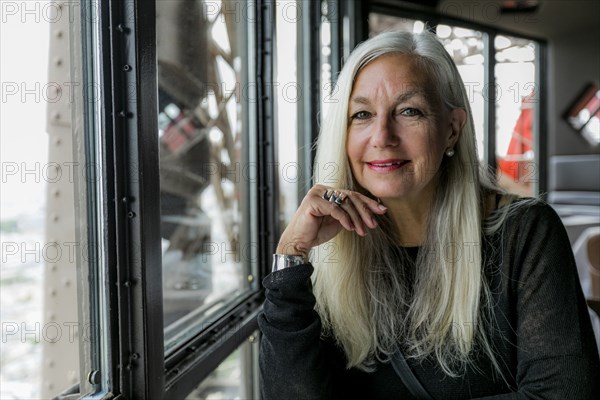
361	115
410	112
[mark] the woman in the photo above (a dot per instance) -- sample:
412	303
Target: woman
427	280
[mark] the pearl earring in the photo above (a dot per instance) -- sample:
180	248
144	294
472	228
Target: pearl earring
450	152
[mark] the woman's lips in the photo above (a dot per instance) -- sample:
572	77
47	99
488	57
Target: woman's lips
386	165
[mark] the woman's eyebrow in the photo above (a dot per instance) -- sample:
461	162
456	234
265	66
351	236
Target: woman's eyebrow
402	97
405	96
360	100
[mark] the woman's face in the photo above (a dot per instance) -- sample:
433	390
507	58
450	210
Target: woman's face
398	129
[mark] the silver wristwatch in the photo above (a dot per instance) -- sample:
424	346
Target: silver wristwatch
281	261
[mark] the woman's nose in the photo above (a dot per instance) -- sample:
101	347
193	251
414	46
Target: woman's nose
384	133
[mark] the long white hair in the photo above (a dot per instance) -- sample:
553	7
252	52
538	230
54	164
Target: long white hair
360	283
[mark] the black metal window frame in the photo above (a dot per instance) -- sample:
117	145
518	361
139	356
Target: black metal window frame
130	160
433	19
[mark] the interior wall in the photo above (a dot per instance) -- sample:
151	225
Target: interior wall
574	61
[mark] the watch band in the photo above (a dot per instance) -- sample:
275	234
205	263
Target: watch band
282	261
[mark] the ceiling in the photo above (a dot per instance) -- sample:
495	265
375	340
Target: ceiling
551	19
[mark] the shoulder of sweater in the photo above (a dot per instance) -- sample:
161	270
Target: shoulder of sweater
530	220
532	210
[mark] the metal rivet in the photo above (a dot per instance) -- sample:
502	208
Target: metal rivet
57	141
94	377
250	278
54	91
126	67
58	62
131	214
56	115
135	356
55	217
59	34
252	338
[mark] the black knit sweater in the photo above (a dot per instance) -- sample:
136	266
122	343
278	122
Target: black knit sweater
543	334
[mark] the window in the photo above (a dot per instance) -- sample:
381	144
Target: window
207	169
39	351
179	205
584	114
235	377
517	98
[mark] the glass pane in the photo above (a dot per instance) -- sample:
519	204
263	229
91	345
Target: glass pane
234	378
327	89
584	114
379	23
206	173
39	351
23	206
515	114
591	130
287	94
466	48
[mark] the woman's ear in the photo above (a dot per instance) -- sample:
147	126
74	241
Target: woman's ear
458	119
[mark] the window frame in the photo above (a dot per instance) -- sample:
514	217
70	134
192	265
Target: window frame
130	160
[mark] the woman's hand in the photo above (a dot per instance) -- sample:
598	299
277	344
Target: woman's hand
317	220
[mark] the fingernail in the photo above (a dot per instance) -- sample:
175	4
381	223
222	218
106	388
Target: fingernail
374	222
382	207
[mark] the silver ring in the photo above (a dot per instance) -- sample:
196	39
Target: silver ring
334	197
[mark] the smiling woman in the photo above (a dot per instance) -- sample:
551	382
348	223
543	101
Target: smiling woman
431	289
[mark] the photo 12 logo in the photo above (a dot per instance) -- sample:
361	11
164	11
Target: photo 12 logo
49	332
45	11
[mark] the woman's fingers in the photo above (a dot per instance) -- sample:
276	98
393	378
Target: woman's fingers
365	207
356	212
318	220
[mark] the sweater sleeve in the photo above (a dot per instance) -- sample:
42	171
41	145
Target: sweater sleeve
555	346
294	363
